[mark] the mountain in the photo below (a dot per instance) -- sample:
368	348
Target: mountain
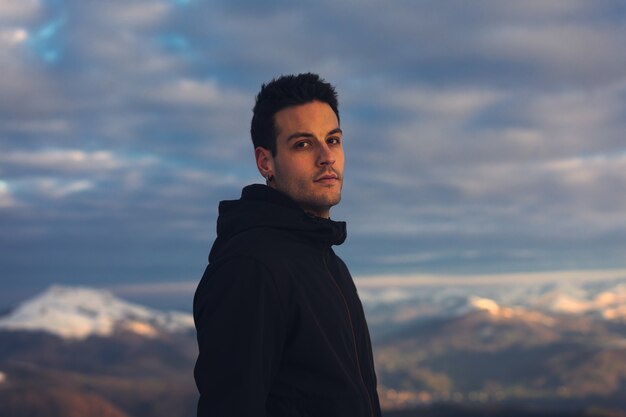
534	347
539	345
55	402
84	352
391	308
77	313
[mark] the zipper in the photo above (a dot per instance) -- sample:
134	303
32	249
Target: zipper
356	352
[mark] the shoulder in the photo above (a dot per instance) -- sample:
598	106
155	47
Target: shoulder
241	272
242	279
259	255
266	246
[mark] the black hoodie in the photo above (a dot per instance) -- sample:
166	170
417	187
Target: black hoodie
281	329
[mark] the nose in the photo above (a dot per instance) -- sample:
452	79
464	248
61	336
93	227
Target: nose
326	155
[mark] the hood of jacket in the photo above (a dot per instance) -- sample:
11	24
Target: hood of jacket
263	206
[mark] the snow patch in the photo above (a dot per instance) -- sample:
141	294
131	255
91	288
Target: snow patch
485	304
78	312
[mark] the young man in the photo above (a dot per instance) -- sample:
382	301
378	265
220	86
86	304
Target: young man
281	330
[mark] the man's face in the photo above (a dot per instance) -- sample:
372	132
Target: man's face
308	165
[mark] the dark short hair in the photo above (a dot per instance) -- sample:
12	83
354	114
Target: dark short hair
282	92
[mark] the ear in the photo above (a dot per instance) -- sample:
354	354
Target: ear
264	161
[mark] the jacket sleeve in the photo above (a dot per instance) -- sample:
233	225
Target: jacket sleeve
241	329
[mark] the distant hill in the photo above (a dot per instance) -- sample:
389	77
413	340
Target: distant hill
125	373
77	313
390	308
495	351
84	352
500	411
541	345
55	402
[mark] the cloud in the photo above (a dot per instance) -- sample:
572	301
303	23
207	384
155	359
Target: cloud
190	92
567	52
59	160
6	199
135	15
156	288
417	280
455	104
479	136
12	37
54	188
12	10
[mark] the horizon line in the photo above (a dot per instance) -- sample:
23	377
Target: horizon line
185	287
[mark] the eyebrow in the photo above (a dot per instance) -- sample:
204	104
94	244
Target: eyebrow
311	135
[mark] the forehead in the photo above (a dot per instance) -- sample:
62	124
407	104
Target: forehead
315	117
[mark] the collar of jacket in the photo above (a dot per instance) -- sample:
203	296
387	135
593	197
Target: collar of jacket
263	206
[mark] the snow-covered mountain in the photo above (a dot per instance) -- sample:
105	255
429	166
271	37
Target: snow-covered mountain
77	313
396	305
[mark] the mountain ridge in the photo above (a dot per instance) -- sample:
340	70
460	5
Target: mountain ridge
75	313
542	345
395	305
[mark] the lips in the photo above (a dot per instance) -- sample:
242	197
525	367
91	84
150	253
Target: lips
327	178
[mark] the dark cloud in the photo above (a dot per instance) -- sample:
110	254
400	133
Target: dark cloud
481	136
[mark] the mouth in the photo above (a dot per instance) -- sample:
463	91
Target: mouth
327	179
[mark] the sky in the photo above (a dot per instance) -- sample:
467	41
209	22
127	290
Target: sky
482	138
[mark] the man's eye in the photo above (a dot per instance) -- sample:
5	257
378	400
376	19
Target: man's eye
301	145
334	141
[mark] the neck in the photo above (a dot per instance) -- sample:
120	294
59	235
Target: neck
321	213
